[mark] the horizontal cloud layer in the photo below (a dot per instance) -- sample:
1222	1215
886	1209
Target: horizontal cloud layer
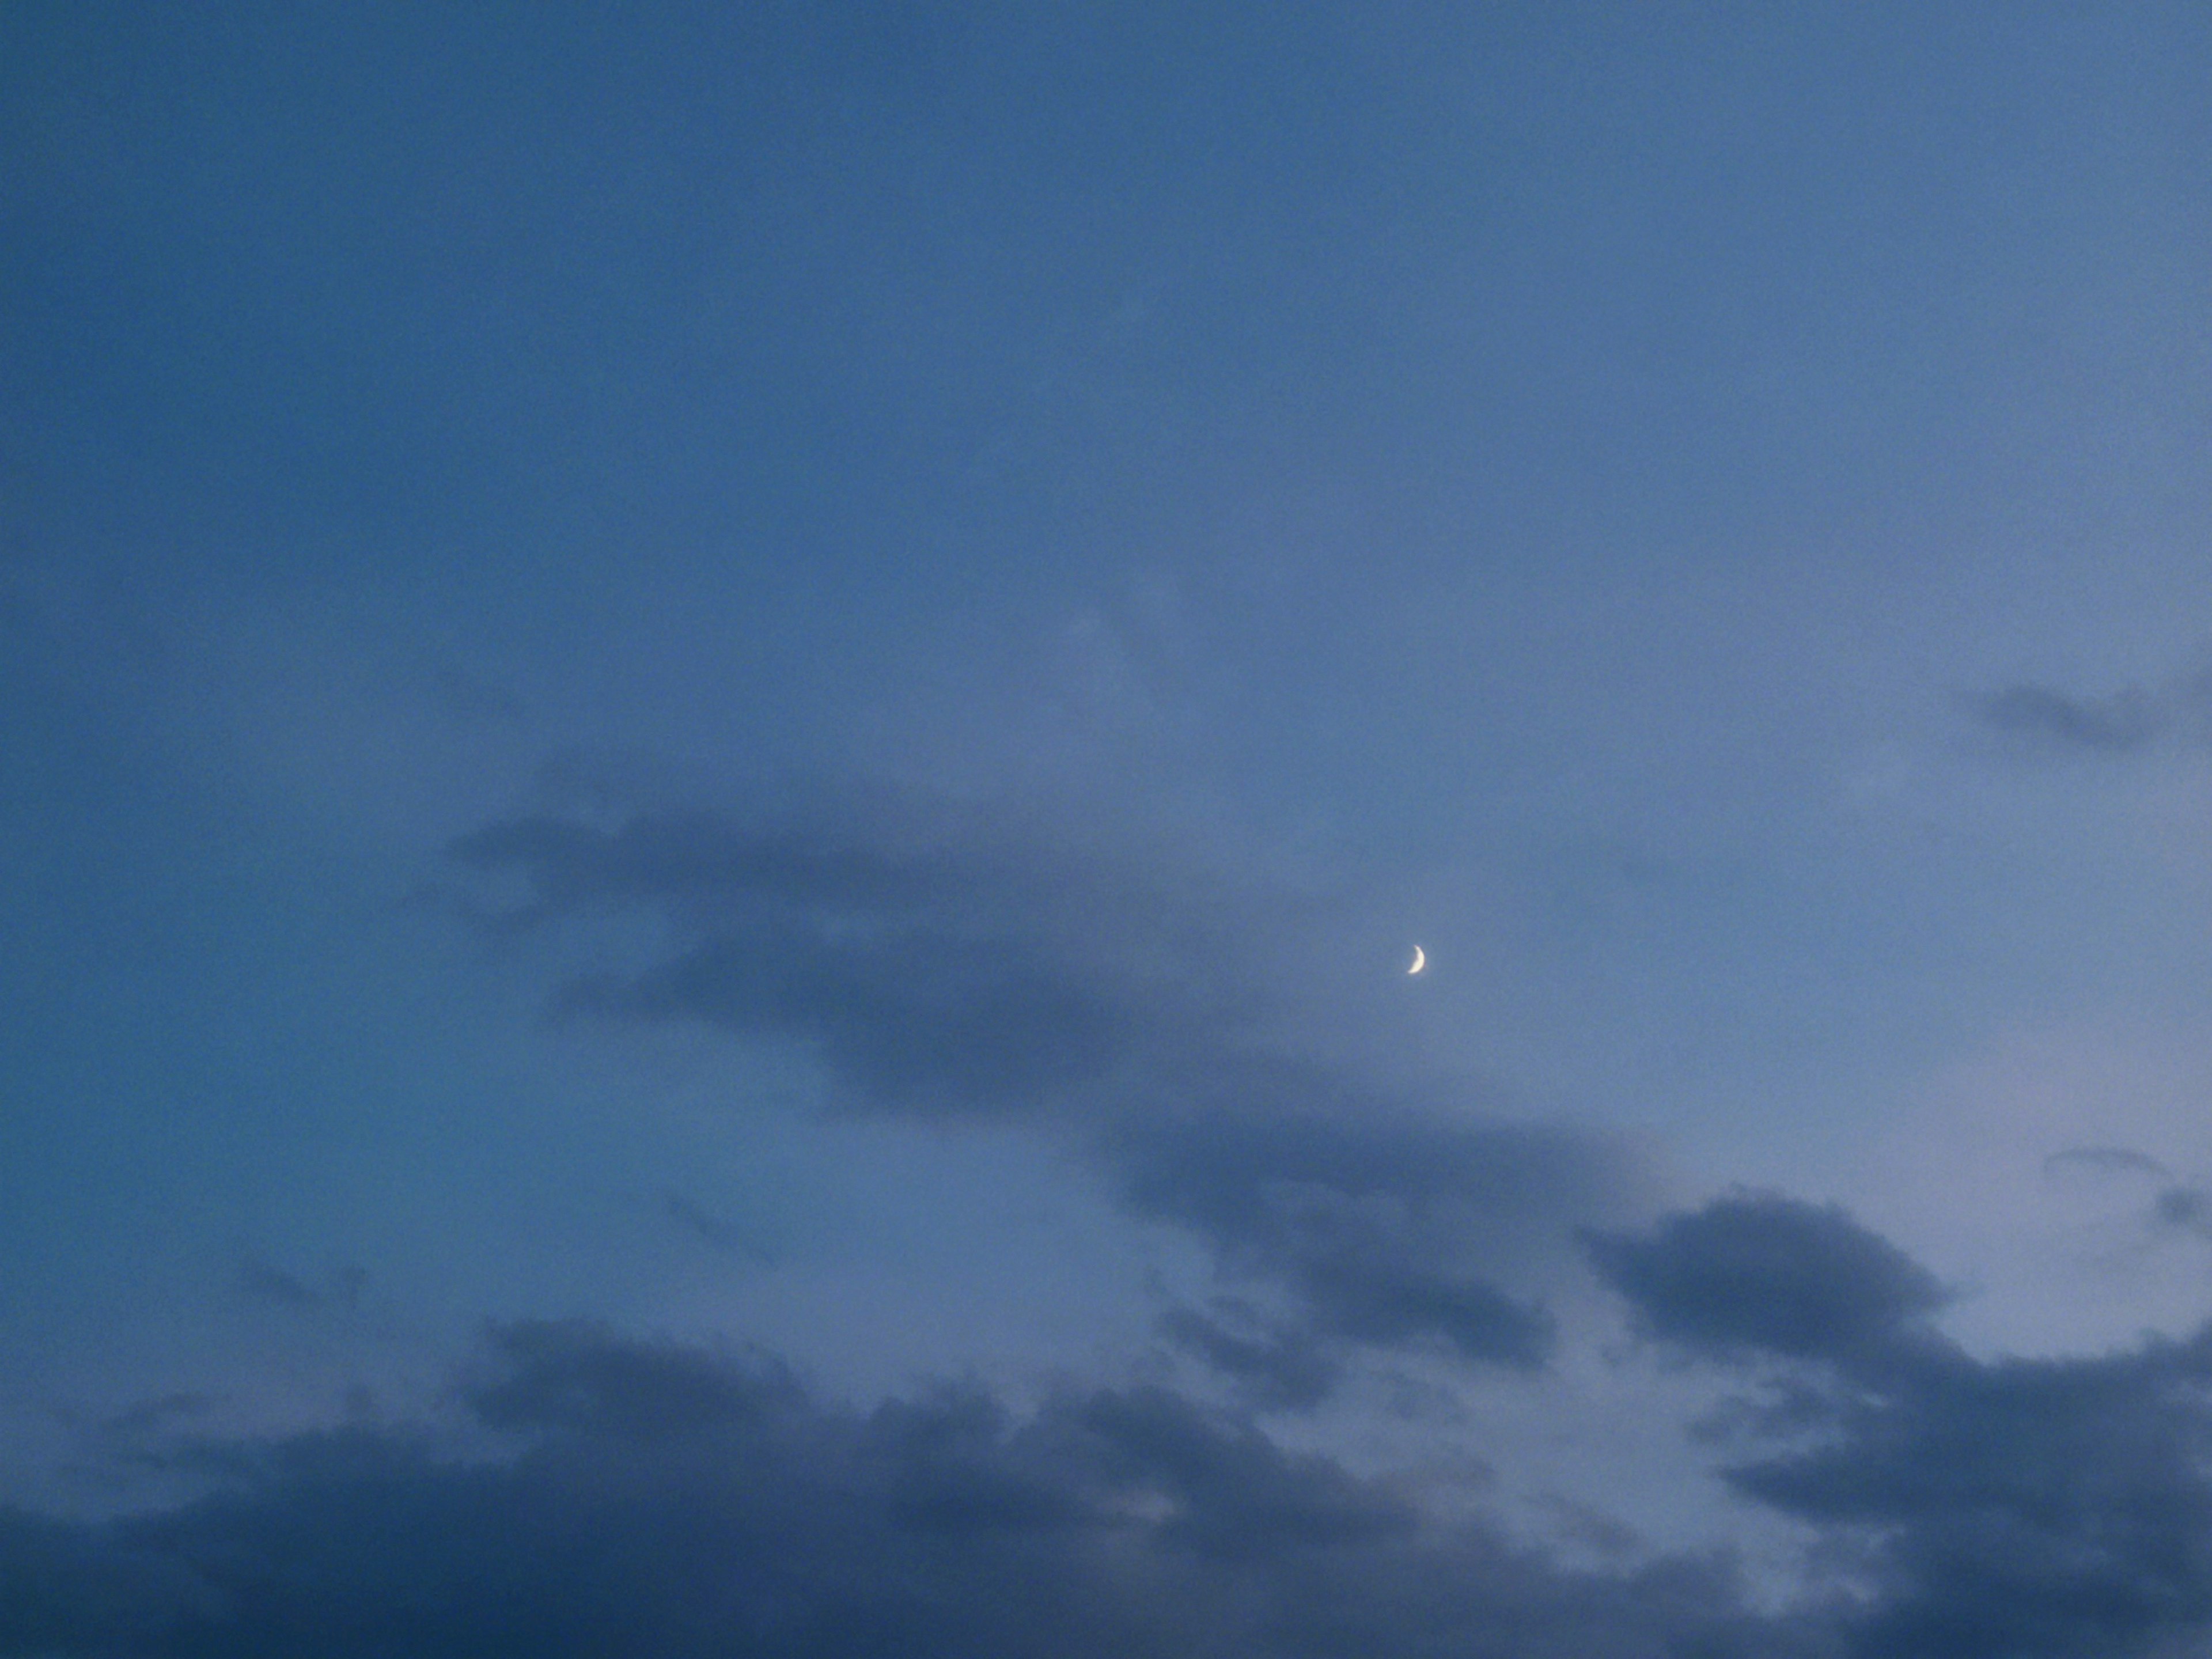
668	1502
618	1497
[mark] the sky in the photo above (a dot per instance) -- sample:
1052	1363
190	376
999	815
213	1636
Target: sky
723	730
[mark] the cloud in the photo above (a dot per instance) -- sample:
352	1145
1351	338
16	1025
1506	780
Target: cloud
573	1379
2055	1509
266	1282
1277	1365
945	969
2105	1160
142	1437
2118	724
929	975
726	1236
610	1495
260	1279
137	1422
2178	708
2186	1208
2052	1508
1380	1218
670	1501
1758	1272
2032	1507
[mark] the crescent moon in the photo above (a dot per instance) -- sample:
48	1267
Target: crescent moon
1420	960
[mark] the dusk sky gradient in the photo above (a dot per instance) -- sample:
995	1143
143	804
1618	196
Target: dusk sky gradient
723	728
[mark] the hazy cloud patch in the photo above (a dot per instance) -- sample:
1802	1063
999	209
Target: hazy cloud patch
2036	716
949	977
727	1236
2105	1160
2186	1209
149	1415
2116	725
262	1280
945	969
1276	1365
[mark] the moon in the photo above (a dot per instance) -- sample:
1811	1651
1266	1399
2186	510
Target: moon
1420	961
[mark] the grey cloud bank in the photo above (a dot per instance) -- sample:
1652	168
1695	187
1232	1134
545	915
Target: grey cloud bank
667	1501
644	1499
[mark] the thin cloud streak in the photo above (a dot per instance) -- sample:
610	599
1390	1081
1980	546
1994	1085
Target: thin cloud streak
2040	718
2118	724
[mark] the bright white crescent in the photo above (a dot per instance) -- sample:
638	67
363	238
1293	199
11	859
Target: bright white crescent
1420	960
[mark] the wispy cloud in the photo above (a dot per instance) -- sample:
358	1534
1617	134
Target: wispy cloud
1278	1365
262	1280
940	972
2105	1160
2037	716
727	1236
2116	725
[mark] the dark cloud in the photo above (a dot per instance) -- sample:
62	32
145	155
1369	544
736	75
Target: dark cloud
1756	1273
642	1497
929	975
1380	1218
573	1379
68	1591
1593	1528
935	1021
2055	1508
2058	1507
943	969
2188	1208
1276	1365
2116	725
665	1502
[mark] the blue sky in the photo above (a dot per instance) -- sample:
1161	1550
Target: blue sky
746	705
